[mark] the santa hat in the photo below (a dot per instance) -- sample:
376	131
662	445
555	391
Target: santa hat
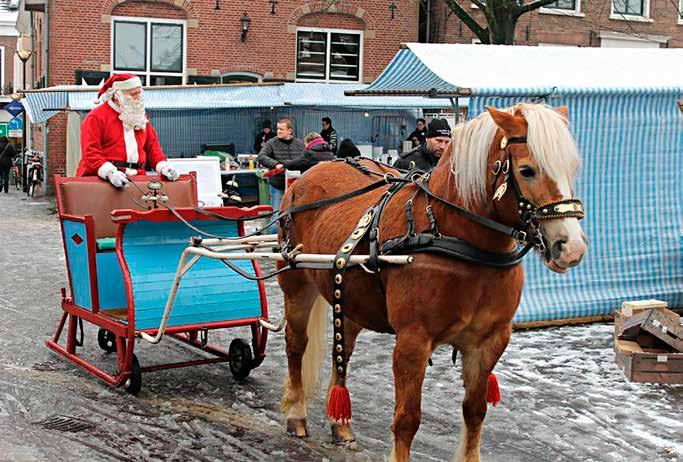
120	82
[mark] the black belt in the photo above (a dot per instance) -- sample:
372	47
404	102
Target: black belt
134	165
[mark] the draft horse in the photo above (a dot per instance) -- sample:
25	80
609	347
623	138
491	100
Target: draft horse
510	169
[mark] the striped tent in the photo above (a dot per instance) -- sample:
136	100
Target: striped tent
624	112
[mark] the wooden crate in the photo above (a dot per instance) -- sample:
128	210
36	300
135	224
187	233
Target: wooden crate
646	365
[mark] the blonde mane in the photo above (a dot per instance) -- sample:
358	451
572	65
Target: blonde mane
550	142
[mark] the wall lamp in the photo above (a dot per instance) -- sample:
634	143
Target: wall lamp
245	20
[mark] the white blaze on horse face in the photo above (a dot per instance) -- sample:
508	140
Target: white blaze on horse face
565	237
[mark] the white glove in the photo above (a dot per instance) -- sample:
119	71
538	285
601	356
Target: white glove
170	173
118	178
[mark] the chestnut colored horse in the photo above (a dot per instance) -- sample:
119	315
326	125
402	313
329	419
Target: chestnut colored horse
436	300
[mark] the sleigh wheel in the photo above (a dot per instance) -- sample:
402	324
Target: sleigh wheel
106	340
241	358
134	382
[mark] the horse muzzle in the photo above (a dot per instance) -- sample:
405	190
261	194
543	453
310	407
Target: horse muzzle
563	254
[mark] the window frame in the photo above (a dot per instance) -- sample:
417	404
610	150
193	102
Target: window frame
149	23
3	63
329	33
258	77
680	12
632	17
576	12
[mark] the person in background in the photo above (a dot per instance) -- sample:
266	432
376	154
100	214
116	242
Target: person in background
426	156
347	149
329	134
316	150
418	135
273	155
265	135
7	155
117	140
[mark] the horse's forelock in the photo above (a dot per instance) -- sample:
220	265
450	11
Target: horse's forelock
550	142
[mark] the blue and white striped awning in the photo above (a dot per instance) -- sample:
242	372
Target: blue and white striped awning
451	70
407	75
43	104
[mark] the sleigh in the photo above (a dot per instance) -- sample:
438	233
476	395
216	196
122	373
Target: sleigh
122	261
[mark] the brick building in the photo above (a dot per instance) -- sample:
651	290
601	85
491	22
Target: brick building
595	23
170	42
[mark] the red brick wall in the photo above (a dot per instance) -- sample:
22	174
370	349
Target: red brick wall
57	149
566	29
10	44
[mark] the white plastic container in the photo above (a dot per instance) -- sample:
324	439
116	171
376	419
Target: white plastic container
365	150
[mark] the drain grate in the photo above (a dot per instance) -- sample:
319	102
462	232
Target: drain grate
65	423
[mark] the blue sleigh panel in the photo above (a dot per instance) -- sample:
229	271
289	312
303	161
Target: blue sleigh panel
77	259
209	292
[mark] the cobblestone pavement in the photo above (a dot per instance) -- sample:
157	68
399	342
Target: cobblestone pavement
563	397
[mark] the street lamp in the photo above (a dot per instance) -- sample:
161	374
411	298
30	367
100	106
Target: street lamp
245	21
24	56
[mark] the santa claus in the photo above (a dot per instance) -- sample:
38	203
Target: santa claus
117	140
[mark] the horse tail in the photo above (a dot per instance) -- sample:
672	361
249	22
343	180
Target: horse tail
312	361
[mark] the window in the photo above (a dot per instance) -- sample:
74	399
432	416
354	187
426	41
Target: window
329	55
680	12
629	7
631	10
153	49
240	77
563	8
562	5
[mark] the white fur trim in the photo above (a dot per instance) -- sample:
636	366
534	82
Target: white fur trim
129	84
132	154
114	106
105	170
160	165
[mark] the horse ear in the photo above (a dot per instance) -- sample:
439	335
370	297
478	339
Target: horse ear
563	111
504	120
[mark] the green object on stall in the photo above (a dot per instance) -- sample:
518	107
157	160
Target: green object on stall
263	189
220	154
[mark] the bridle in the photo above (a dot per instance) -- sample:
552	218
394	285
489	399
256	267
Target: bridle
530	214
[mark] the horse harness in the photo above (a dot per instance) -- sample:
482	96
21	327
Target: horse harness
432	241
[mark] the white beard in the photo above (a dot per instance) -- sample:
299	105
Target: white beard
131	112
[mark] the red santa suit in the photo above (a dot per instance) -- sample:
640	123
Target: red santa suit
106	143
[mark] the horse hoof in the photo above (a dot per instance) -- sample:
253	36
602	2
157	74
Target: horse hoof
342	434
297	427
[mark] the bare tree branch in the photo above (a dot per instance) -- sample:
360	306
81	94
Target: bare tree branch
533	6
469	21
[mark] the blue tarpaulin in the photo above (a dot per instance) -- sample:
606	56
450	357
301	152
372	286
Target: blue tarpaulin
624	114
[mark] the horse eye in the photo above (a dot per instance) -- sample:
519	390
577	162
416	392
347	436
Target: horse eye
527	171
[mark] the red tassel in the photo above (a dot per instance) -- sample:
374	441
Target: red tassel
339	405
493	393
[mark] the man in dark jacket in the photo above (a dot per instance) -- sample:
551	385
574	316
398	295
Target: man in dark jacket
426	156
329	134
264	136
275	153
418	135
7	155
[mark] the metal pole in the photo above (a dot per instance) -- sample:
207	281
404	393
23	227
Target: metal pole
23	136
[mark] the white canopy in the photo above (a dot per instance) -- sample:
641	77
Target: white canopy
514	70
